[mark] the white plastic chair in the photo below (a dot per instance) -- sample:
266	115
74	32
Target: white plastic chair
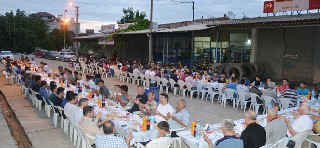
189	87
241	95
202	90
284	103
55	115
47	107
299	138
158	79
267	100
165	84
175	88
229	96
255	106
84	138
163	142
146	81
182	90
282	143
8	78
316	143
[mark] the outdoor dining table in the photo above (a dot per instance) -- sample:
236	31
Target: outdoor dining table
125	122
215	133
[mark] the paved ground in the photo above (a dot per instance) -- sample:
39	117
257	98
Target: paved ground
37	125
198	109
6	139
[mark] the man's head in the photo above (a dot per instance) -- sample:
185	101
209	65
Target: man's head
257	78
108	127
181	104
43	84
250	116
75	73
234	80
164	98
227	126
304	109
72	98
269	80
83	102
124	89
101	83
243	81
257	83
60	68
140	90
272	114
60	91
205	73
233	75
88	111
79	76
151	96
303	85
37	78
88	77
285	82
271	85
292	85
163	127
54	88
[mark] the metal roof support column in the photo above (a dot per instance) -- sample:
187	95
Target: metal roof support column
254	44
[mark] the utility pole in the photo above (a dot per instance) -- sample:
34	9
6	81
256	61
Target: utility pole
64	29
14	34
192	11
77	31
150	35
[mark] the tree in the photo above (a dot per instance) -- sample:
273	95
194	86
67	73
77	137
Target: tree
136	17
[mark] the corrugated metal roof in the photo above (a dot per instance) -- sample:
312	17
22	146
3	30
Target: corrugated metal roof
178	29
92	36
256	20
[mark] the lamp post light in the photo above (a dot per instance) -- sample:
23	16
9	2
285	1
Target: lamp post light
150	35
64	28
77	27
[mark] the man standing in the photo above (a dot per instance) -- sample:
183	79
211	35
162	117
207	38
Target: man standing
254	135
276	128
181	117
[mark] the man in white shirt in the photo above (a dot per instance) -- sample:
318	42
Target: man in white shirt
136	70
163	109
90	82
46	68
190	79
78	113
70	107
148	71
302	123
152	73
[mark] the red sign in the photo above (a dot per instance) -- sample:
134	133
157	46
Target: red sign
268	7
314	4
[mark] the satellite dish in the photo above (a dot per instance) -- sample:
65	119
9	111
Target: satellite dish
231	15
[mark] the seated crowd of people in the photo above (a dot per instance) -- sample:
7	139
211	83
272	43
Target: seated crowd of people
167	118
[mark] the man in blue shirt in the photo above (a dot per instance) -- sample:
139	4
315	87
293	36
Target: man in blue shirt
44	91
36	84
233	84
227	128
303	90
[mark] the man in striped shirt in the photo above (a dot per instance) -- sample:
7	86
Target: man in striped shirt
291	94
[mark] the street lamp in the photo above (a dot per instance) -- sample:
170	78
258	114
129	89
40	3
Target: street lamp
187	2
64	28
77	27
150	36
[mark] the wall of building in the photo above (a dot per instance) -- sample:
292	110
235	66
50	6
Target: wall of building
136	47
291	52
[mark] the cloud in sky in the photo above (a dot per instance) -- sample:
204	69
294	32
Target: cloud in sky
94	13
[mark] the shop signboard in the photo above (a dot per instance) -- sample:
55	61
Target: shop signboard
268	7
290	5
108	28
314	4
124	26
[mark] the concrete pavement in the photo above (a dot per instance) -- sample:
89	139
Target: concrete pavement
37	125
6	138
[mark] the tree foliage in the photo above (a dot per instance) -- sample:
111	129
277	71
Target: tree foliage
20	32
136	17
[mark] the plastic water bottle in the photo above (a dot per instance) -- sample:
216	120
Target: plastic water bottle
298	103
270	105
198	130
77	90
152	121
275	89
312	94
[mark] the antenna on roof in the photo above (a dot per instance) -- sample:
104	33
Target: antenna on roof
244	16
231	15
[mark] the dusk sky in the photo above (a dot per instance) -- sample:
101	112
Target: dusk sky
94	13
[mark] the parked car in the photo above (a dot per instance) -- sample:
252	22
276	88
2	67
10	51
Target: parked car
53	55
4	54
67	56
40	53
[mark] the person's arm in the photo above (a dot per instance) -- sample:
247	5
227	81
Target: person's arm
205	137
179	121
290	128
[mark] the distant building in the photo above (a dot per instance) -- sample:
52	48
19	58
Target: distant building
57	22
